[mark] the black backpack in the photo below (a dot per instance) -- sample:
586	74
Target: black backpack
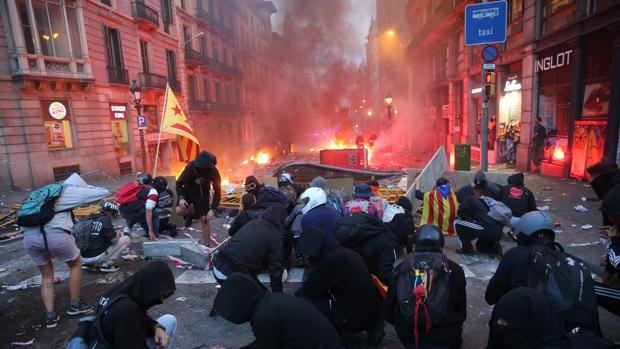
423	289
568	285
90	328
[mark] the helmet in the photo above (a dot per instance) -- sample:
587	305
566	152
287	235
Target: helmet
286	178
160	183
316	197
533	225
108	206
144	178
428	238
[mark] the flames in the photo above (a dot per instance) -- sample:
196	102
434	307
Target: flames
261	158
558	154
336	143
225	182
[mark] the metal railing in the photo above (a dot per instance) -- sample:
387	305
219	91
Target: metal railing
197	105
207	17
225	108
140	10
192	55
118	76
175	85
149	80
221	67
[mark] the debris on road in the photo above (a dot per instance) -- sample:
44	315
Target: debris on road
547	200
584	199
580	208
586	227
543	208
23	344
558	231
182	299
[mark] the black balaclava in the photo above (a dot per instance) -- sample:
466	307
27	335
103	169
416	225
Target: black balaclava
204	163
237	299
523	318
405	203
148	285
313	243
275	214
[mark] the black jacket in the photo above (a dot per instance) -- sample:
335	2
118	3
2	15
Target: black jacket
278	320
198	177
402	226
516	196
126	325
255	247
243	218
474	209
373	240
102	234
491	190
342	274
446	332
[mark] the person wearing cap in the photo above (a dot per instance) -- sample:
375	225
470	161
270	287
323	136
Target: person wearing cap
361	201
481	186
447	332
316	213
380	203
194	192
277	320
535	234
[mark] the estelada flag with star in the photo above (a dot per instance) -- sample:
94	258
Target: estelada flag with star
174	122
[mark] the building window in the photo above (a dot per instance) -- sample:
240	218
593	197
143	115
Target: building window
152	124
187	39
203	47
107	2
52	19
191	87
183	4
218	92
171	64
557	14
57	123
214	49
555	108
206	86
166	14
114	54
515	10
144	55
225	56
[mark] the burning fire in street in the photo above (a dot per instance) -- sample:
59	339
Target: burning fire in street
225	182
261	158
558	154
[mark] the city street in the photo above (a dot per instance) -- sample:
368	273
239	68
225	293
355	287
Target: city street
21	312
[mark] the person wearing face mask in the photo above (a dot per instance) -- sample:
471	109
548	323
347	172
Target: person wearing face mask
194	192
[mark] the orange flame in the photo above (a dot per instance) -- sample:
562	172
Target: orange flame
558	154
262	158
225	182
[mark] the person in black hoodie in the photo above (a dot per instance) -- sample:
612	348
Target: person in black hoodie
340	286
278	320
126	324
604	176
194	192
255	247
402	224
473	223
373	240
481	187
447	332
265	196
516	196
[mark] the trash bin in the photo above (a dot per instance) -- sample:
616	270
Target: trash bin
462	157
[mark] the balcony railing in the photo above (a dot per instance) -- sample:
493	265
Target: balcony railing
225	108
196	105
118	76
222	68
192	56
175	85
142	11
207	18
149	80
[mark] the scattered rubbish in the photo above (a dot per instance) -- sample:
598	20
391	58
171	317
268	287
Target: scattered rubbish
557	224
2	270
180	264
563	194
543	208
16	287
573	225
182	299
226	226
546	188
218	286
586	227
23	344
132	255
584	199
36	327
56	280
547	200
580	208
586	185
558	231
164	237
584	244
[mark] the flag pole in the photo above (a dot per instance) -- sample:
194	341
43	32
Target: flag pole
161	125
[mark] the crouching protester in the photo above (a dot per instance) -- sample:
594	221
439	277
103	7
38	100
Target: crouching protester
138	201
47	224
278	320
164	206
339	285
102	243
122	321
426	298
524	318
540	263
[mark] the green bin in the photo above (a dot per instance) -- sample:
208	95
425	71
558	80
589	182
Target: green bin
462	157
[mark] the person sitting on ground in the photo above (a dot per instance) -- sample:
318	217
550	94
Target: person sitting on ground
55	241
474	222
278	320
380	203
448	292
516	196
255	247
165	203
439	206
480	187
316	213
361	201
524	318
194	192
373	240
528	264
402	224
140	206
125	323
334	197
105	244
339	285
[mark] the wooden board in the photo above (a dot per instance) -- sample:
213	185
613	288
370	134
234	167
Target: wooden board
341	184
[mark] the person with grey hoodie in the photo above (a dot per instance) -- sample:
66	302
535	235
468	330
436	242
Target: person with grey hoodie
61	246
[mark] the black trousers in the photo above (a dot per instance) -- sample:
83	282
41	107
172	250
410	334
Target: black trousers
468	231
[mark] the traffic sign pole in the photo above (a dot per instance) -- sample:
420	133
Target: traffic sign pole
484	128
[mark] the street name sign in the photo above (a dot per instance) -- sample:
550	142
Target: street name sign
485	23
488	66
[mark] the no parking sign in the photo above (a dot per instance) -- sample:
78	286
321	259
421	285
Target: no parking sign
141	122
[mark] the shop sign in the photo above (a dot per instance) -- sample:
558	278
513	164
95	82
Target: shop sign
118	111
512	85
57	110
554	61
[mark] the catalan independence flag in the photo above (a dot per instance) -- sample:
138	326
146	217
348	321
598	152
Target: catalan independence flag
175	123
440	211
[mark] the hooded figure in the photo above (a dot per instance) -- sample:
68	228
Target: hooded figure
126	324
604	176
402	224
516	196
339	285
256	246
278	320
481	186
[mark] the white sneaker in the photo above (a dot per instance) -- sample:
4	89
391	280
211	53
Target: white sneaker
284	276
108	268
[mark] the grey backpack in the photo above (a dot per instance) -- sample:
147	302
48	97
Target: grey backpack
498	210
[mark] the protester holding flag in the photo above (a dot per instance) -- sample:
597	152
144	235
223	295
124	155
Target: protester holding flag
440	206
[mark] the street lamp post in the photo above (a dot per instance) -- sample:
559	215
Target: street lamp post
136	95
388	106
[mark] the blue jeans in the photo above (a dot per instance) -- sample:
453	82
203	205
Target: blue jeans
168	321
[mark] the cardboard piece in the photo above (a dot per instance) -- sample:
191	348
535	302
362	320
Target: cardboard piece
268	181
341	184
425	181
